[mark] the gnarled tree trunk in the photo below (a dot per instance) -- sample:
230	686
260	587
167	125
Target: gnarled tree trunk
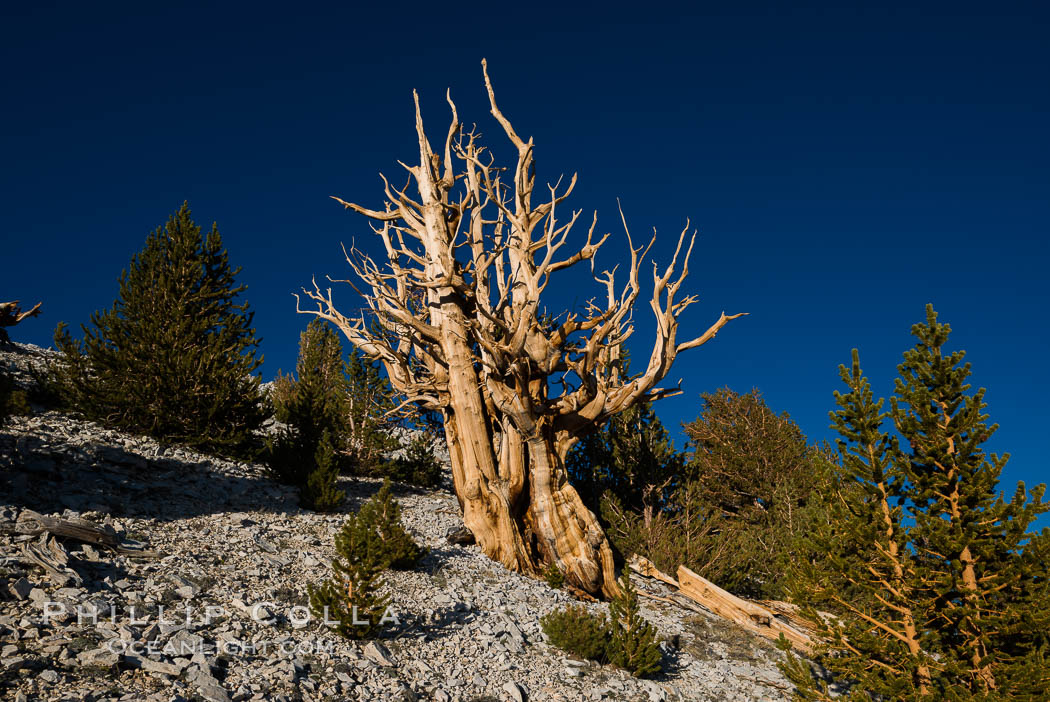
455	319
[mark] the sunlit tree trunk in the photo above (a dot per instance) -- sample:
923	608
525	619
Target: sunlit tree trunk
455	318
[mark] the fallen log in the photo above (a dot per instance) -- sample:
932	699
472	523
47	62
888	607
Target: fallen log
790	612
764	618
32	523
645	567
748	615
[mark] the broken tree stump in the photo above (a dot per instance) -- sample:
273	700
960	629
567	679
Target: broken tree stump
48	554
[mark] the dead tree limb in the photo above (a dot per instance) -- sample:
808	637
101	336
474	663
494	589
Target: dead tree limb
11	314
32	523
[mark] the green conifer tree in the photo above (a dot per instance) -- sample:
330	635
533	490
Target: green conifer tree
862	570
313	406
631	452
12	399
632	640
173	358
417	465
985	595
320	492
314	401
383	535
937	588
353	597
369	398
369	542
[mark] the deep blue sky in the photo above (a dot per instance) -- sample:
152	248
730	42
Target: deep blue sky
844	165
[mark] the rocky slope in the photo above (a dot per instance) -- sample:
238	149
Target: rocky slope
235	553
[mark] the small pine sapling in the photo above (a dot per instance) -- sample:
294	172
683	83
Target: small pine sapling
418	465
554	577
351	598
382	535
320	492
368	543
576	630
632	640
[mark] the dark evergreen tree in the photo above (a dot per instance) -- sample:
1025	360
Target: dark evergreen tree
938	588
174	357
735	511
985	593
313	407
369	398
13	400
861	568
417	465
368	543
320	492
379	523
626	456
576	630
314	401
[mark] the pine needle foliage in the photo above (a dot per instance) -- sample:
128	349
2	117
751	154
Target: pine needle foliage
554	576
576	630
13	400
735	511
352	597
370	542
631	452
632	640
347	399
369	398
380	532
312	406
418	465
757	481
320	492
985	596
173	357
937	587
866	576
624	638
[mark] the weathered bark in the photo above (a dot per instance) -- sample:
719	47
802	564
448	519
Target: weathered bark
53	559
30	523
11	314
743	613
454	316
763	618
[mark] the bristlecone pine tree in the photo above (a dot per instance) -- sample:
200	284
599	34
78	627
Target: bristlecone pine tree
455	318
173	358
369	398
757	481
12	399
320	493
632	640
940	592
313	406
867	575
368	543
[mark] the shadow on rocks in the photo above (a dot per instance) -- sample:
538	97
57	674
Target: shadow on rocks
42	472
